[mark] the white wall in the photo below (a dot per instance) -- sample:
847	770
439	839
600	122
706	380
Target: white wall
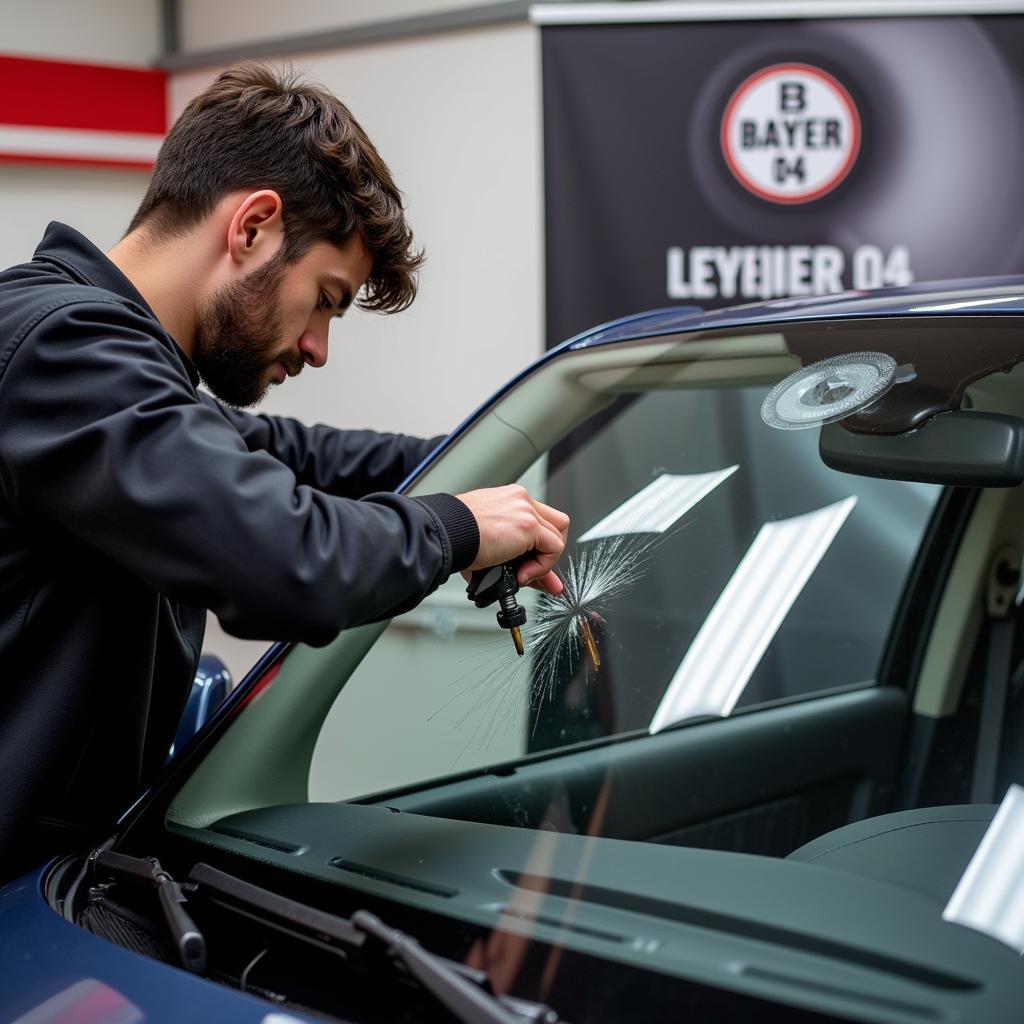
205	25
457	118
99	202
118	31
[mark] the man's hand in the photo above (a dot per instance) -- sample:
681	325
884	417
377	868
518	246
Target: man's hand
512	523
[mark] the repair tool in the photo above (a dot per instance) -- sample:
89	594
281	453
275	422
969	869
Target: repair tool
499	584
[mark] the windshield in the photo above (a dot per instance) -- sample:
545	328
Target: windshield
757	744
717	564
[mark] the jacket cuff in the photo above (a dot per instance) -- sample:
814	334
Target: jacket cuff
460	525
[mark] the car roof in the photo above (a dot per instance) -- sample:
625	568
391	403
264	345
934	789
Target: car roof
988	296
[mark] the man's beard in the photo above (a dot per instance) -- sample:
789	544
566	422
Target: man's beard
238	336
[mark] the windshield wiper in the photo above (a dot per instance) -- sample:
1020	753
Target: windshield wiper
442	979
188	940
462	991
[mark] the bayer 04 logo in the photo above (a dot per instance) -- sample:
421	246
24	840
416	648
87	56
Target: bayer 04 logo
790	133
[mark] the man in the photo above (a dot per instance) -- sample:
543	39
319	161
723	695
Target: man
131	502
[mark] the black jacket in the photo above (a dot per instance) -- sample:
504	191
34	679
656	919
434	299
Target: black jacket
129	504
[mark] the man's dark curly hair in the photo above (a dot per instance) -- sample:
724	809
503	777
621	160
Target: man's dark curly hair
259	127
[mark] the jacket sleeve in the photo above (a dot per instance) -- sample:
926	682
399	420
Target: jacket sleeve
102	435
346	463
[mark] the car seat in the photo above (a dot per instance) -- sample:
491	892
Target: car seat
926	849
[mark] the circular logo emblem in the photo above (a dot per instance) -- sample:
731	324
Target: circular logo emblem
790	133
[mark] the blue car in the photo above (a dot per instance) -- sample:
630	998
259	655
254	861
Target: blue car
759	762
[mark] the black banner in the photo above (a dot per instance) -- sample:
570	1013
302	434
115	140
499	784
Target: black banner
733	162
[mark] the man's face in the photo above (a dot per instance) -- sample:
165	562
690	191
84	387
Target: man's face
266	326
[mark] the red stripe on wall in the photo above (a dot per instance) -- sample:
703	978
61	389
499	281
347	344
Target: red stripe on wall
75	161
59	94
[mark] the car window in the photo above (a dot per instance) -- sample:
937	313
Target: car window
722	565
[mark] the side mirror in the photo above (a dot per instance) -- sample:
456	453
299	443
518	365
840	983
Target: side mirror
961	448
210	686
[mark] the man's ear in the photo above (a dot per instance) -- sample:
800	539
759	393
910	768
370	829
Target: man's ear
256	230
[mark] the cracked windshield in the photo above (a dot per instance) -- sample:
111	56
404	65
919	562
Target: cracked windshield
714	565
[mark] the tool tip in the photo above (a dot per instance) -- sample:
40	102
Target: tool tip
590	644
517	639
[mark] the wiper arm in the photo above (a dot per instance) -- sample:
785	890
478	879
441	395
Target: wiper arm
466	999
188	940
460	990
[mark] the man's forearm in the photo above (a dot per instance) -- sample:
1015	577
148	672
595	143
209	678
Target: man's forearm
345	463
